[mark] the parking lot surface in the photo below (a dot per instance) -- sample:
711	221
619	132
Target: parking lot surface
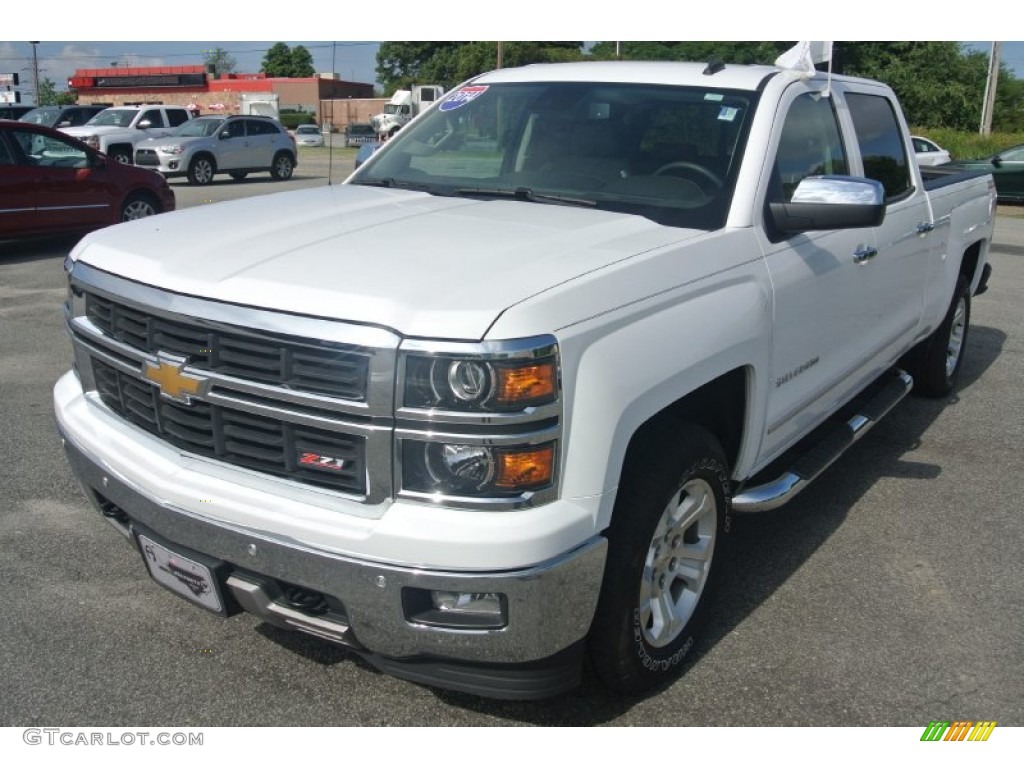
889	593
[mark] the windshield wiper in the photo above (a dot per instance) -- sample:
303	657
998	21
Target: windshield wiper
399	184
525	193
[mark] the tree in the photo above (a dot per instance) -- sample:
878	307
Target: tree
728	52
400	65
220	60
278	61
302	62
49	96
282	61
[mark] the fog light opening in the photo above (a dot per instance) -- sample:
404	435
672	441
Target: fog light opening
455	610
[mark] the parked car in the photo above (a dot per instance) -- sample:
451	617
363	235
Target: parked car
13	111
237	145
117	130
928	152
62	117
357	134
1006	167
309	136
53	183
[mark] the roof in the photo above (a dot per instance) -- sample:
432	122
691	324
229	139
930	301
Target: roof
745	77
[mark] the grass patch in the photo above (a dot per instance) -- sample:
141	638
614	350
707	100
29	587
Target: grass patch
965	145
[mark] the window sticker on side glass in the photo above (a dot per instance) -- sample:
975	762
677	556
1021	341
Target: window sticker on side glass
728	113
462	97
713	97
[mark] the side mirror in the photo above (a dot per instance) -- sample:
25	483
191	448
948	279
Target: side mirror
143	124
831	202
64	124
225	134
997	161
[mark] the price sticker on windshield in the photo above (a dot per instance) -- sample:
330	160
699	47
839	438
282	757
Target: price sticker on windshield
462	97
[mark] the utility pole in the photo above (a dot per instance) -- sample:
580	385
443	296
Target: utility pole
501	54
990	90
35	70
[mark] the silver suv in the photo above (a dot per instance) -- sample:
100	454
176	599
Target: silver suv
236	145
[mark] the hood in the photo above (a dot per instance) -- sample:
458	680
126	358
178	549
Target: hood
92	130
435	267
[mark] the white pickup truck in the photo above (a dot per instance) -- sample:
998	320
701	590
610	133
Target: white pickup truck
491	404
116	131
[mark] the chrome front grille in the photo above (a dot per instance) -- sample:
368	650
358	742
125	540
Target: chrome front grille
306	366
232	435
305	399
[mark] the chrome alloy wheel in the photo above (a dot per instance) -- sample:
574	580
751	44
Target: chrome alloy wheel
201	171
678	562
956	336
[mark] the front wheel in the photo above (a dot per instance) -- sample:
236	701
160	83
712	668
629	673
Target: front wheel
201	170
935	364
668	530
139	206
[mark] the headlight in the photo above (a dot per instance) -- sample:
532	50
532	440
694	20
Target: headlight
467	384
487	471
92	141
171	149
479	424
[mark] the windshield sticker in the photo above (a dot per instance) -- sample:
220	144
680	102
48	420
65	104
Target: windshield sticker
462	97
713	97
728	113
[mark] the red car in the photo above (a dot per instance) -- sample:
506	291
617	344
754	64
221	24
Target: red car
51	183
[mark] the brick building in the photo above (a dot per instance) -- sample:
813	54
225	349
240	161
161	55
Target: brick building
193	87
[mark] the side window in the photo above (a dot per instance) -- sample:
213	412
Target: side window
235	128
43	150
810	145
176	117
259	127
1013	156
154	116
881	142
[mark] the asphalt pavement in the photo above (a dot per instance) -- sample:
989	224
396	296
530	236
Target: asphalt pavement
890	592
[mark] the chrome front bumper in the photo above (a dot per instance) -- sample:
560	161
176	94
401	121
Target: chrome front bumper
550	605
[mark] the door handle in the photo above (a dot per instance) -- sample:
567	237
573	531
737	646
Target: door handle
925	227
864	254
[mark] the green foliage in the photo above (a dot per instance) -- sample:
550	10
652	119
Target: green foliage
401	64
969	145
293	120
47	95
282	61
221	61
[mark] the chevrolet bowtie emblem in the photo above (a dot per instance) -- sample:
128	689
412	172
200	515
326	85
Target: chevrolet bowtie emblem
167	375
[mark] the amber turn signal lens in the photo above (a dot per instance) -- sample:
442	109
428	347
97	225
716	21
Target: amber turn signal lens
528	384
525	469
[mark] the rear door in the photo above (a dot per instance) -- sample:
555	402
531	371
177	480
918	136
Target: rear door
897	275
260	135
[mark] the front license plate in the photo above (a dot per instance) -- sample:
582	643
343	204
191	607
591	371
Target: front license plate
182	575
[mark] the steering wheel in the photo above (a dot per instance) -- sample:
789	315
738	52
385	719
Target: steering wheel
699	170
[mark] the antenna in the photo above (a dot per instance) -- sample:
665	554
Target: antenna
330	134
715	65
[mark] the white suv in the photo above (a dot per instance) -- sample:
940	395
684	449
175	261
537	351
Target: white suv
236	145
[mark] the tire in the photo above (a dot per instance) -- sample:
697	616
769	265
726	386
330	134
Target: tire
139	205
671	518
238	175
201	170
282	167
935	363
121	155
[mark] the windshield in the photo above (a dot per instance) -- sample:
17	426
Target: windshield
307	129
392	109
121	118
360	129
199	126
41	116
669	153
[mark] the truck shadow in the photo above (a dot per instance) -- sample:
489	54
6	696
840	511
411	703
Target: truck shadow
768	548
39	248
